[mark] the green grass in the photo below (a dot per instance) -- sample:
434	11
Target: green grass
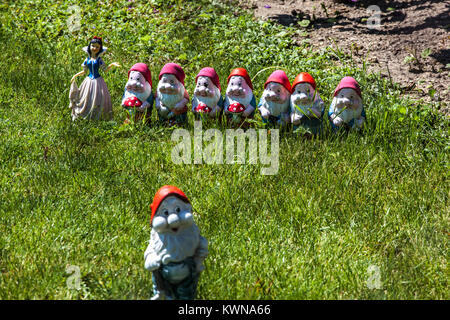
338	204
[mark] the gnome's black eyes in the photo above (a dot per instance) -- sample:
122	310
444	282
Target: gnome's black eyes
178	210
166	212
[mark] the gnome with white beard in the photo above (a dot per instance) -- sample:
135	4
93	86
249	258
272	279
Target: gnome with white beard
207	98
172	96
138	96
307	108
176	250
274	103
240	102
346	109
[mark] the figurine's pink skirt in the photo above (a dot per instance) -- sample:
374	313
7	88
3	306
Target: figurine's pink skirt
91	100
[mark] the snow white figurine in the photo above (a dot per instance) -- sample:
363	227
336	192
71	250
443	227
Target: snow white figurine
92	100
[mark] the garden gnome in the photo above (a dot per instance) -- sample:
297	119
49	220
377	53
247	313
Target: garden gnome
172	96
240	102
138	96
176	250
207	98
307	108
274	103
346	109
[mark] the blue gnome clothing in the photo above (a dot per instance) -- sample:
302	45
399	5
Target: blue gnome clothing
173	288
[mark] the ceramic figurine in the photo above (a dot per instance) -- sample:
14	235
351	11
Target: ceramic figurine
176	249
207	98
346	109
138	96
92	99
274	103
171	95
240	103
307	108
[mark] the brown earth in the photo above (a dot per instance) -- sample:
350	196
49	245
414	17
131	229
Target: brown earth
411	45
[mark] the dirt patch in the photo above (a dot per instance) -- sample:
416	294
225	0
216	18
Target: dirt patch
411	46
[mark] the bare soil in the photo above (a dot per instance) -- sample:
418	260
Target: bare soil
417	31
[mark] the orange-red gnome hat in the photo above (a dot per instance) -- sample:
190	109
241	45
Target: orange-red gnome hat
243	73
163	193
303	77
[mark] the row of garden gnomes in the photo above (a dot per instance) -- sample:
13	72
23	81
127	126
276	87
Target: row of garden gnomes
281	103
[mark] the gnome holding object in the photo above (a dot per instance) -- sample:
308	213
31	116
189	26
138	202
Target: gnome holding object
239	102
207	98
274	103
307	108
138	96
176	250
172	96
346	109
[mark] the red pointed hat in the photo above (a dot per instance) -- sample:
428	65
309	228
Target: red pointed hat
175	69
243	73
163	193
279	76
142	68
304	77
348	82
210	73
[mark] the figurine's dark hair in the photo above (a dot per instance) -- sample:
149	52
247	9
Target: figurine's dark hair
95	40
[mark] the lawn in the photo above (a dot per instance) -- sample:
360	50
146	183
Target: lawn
357	216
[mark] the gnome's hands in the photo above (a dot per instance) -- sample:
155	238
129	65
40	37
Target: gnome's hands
163	111
338	121
180	107
248	111
152	262
265	113
295	118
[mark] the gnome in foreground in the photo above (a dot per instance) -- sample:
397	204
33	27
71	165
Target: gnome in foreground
274	103
138	96
176	250
240	102
207	98
346	109
172	96
307	108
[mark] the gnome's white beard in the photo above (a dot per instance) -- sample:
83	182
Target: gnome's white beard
304	105
346	114
142	96
209	101
175	247
170	100
275	108
244	101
